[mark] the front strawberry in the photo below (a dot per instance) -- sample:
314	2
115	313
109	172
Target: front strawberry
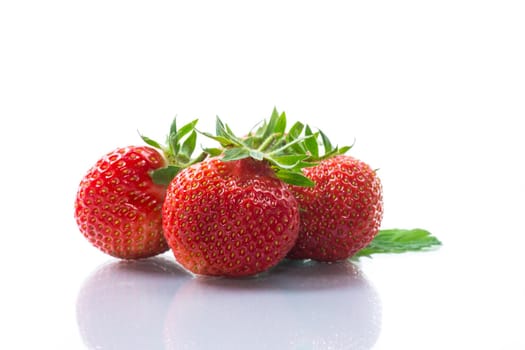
118	206
229	218
342	213
232	214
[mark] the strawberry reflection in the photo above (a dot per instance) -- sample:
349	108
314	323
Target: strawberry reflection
123	304
298	305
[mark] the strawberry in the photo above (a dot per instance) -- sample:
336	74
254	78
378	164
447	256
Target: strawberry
118	206
342	213
229	218
232	215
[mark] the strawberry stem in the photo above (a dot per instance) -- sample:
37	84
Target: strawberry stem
268	142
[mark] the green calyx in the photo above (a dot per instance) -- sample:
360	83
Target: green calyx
178	151
288	151
270	142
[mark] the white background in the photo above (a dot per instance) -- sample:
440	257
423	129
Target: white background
433	92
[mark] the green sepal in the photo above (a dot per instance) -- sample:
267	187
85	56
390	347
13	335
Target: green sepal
290	144
296	130
288	161
256	154
294	133
189	145
213	152
399	241
235	154
294	178
225	142
287	152
343	149
270	126
171	139
178	151
186	129
311	143
163	176
326	142
150	142
328	149
280	124
224	132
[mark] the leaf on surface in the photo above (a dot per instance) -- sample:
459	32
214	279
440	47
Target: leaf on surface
399	241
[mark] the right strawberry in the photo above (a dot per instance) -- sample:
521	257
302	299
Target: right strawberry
342	213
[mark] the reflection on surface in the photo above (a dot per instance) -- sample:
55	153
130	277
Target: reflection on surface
123	304
153	304
298	305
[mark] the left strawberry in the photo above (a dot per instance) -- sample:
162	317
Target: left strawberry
118	206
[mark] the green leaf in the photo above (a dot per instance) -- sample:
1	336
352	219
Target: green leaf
333	152
289	144
311	143
150	142
189	144
285	151
163	176
235	154
173	143
172	140
270	128
224	141
219	127
288	161
213	152
295	130
280	125
255	154
326	143
343	149
173	126
186	129
261	129
229	132
294	178
399	241
225	134
178	148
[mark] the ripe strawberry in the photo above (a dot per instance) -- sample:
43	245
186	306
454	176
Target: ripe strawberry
231	218
233	215
118	206
342	213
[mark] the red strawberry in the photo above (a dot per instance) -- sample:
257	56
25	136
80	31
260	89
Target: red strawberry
118	207
230	218
342	213
234	215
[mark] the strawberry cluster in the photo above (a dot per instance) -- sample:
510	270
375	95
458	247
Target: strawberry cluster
235	210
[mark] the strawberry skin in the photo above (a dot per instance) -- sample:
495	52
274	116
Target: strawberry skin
232	218
342	213
118	207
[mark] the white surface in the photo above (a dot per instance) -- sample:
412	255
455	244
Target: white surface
433	93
